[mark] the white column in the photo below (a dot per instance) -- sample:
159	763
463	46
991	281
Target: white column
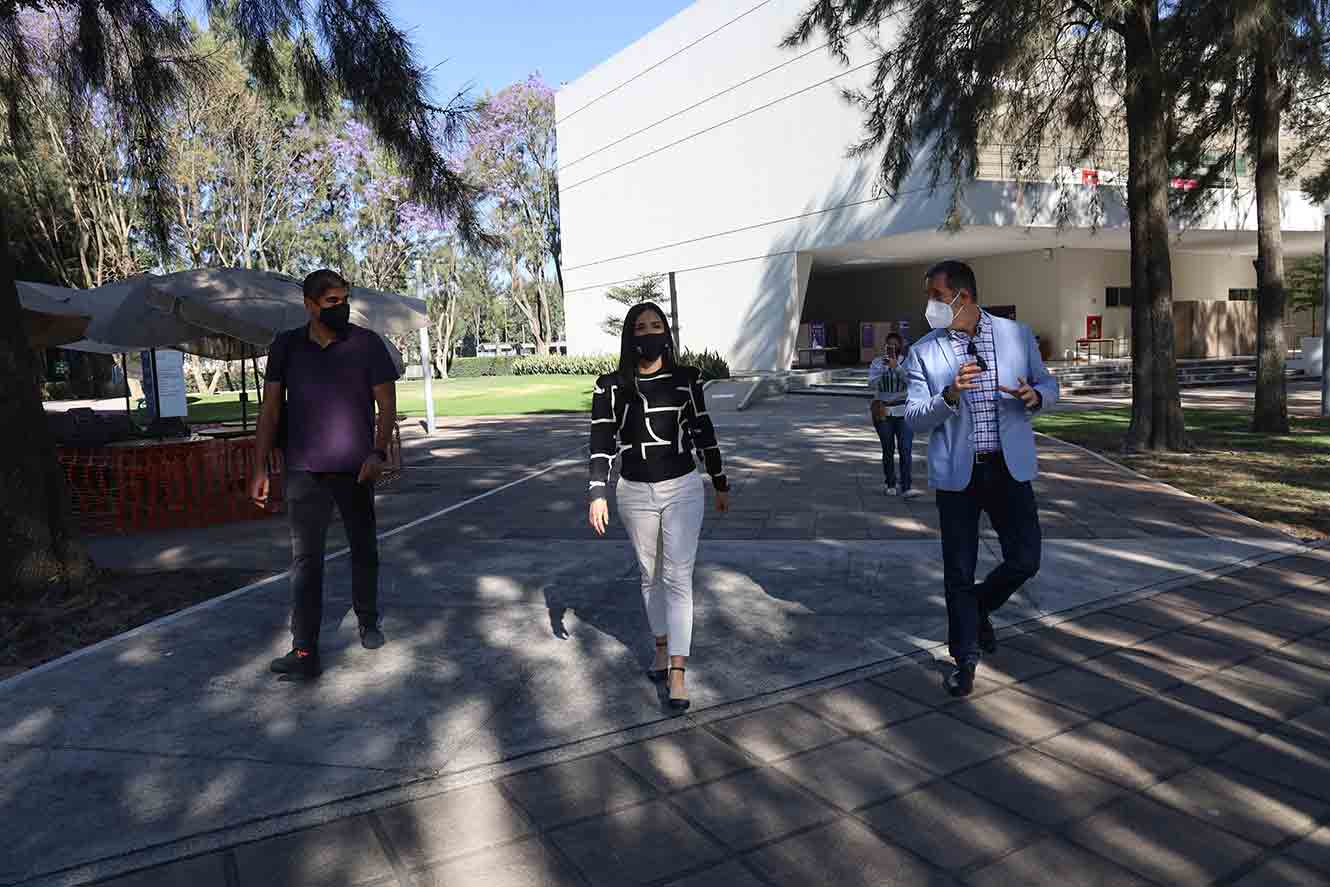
429	379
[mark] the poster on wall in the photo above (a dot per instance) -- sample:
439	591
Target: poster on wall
164	391
817	335
866	336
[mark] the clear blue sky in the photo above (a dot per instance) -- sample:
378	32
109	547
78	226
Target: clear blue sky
492	43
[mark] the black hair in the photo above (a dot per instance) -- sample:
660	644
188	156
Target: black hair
319	282
960	276
628	356
905	346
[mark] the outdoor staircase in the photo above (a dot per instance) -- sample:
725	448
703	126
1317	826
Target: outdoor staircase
1111	377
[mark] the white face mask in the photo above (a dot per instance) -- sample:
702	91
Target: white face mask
939	314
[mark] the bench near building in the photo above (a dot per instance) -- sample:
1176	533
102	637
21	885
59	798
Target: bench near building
706	150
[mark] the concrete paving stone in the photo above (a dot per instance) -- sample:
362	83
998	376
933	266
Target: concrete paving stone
1284	674
861	706
1199	598
1162	615
1283	872
1054	861
1311	725
1141	669
1161	843
1038	787
1308	651
1314	849
1257	809
1018	716
949	826
1082	690
1051	643
1311	602
923	683
1292	761
1243	701
1174	723
1247	635
1306	572
1194	651
1109	629
775	732
753	807
526	863
575	789
1117	755
679	760
729	874
854	774
341	853
1009	665
1255	584
201	871
847	854
942	744
638	845
1289	621
447	825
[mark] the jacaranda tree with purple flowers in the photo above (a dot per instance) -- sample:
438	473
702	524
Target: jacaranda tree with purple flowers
514	156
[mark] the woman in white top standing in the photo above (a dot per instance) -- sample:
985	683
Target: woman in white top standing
887	380
651	415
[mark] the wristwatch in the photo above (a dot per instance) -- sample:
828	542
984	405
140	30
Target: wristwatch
382	454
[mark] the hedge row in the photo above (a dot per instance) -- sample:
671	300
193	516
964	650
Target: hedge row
565	365
712	365
476	367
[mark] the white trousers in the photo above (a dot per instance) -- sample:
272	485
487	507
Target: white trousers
664	521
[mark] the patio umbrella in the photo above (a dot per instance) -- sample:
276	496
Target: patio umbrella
254	306
50	316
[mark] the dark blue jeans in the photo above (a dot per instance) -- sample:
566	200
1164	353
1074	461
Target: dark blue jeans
310	499
1015	517
896	436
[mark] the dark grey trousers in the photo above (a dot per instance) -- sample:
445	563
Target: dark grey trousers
310	498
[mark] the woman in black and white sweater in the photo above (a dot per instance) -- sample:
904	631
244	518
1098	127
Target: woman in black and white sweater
651	415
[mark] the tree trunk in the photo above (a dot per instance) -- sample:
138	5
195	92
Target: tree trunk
1271	413
1156	405
39	545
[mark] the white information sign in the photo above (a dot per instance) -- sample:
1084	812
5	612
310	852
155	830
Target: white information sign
171	383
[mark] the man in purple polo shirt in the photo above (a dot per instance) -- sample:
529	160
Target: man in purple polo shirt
333	374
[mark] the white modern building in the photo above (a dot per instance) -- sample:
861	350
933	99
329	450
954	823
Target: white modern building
707	150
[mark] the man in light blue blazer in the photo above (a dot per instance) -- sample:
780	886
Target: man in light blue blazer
974	383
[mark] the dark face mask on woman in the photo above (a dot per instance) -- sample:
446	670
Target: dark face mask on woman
336	318
652	346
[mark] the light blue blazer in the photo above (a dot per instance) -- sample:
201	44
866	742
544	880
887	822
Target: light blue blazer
931	366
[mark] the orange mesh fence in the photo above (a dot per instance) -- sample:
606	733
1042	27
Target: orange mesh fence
165	485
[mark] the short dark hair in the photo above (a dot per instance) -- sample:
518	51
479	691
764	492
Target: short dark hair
319	282
960	276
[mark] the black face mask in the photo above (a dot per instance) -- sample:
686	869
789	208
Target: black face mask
337	318
652	346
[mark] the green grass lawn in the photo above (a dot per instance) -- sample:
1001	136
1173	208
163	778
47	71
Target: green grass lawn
1279	479
489	396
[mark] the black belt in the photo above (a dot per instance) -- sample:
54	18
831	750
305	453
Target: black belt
983	458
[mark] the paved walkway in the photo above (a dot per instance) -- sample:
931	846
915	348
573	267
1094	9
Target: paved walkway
516	642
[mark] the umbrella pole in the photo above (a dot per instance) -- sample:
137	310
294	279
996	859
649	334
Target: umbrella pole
244	397
156	392
258	383
124	368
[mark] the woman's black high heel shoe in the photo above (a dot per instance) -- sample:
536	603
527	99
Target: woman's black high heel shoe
678	703
659	674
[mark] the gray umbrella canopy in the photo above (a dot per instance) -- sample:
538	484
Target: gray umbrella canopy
50	315
254	306
221	313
